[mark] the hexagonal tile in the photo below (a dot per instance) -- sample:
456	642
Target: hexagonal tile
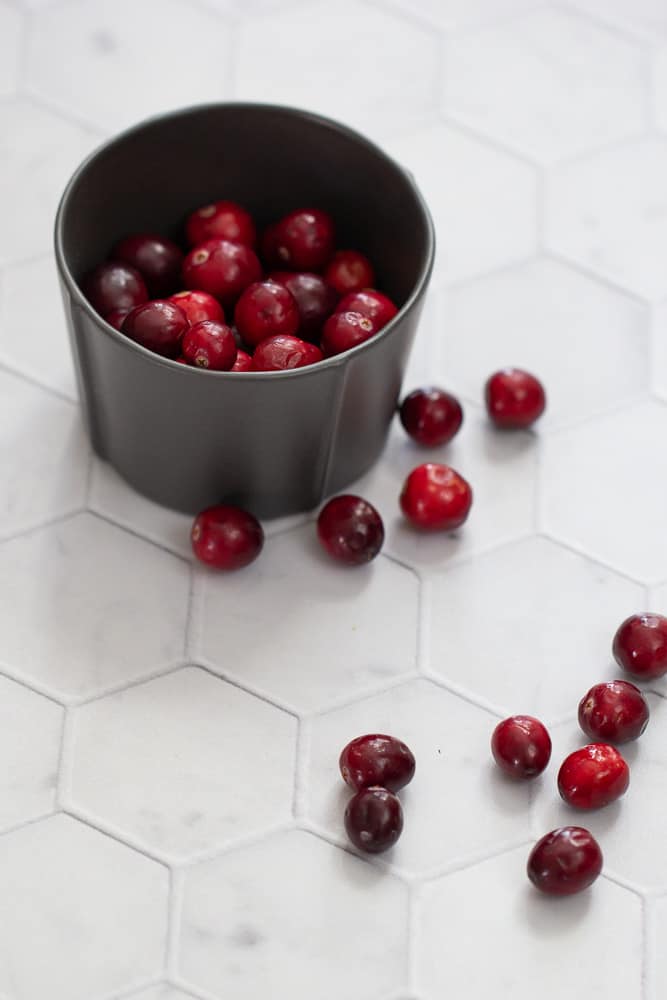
325	631
657	970
660	84
659	350
524	933
11	26
162	993
453	14
450	741
97	909
515	81
172	788
86	607
646	18
591	478
278	911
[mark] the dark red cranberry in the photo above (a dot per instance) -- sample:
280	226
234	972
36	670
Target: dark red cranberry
565	861
226	537
349	271
243	362
436	497
181	360
315	299
158	325
351	531
301	241
222	220
514	398
116	317
114	285
345	330
222	269
157	259
281	353
198	306
210	345
431	416
265	309
614	712
521	746
374	819
640	646
593	776
370	303
377	760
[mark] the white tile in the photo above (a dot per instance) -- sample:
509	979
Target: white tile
646	18
161	993
80	916
11	29
657	970
293	911
660	84
457	14
659	350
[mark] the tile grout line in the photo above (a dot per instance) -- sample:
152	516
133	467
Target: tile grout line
648	949
175	916
66	759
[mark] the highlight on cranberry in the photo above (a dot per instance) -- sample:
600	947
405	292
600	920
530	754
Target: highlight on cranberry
514	399
593	776
376	759
640	646
210	345
226	537
350	529
565	861
614	712
436	498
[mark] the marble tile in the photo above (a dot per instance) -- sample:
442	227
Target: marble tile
659	70
645	18
11	31
659	350
455	15
162	993
657	970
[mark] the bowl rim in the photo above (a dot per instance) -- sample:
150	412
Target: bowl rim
191	370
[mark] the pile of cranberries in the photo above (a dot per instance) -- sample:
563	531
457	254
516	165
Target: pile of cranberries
375	767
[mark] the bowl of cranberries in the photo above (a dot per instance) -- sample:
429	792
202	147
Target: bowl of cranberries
242	285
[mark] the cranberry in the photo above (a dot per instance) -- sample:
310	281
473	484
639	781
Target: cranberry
345	330
349	271
223	220
593	776
377	760
431	416
315	299
181	360
198	306
221	268
370	303
157	259
116	317
226	537
210	345
640	646
243	362
351	531
521	746
301	241
114	286
281	353
615	711
436	497
565	861
514	398
374	819
158	325
265	309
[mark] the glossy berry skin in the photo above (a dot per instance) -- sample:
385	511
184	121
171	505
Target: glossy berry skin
431	416
521	746
376	759
613	712
514	398
349	271
198	306
301	241
374	820
282	353
222	269
565	861
265	309
315	299
158	260
226	538
370	303
243	362
210	345
640	646
158	325
593	776
223	220
114	286
116	317
345	330
436	498
351	531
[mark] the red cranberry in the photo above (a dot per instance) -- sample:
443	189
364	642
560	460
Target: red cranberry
377	760
301	241
222	220
614	712
514	398
351	531
210	345
181	360
436	497
116	317
243	362
565	861
198	306
226	537
593	776
349	271
157	259
370	303
281	353
221	268
158	325
114	286
315	299
345	330
265	309
374	820
521	746
431	416
640	646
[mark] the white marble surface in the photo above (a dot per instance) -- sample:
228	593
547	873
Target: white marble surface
170	809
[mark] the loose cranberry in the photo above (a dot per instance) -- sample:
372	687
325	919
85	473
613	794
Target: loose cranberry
281	353
640	646
198	306
593	776
158	325
377	760
114	285
350	271
116	317
315	299
221	268
514	398
345	330
521	746
265	309
565	861
431	416
223	220
614	712
226	537
210	345
436	497
243	362
301	241
370	303
351	531
374	820
158	260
